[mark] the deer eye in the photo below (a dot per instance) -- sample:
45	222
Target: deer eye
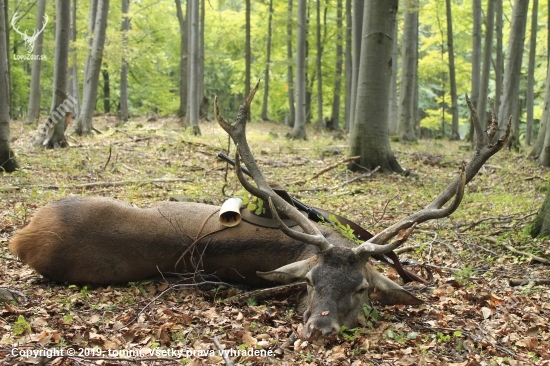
361	290
308	281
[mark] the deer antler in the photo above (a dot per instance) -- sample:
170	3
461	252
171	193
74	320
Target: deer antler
13	19
237	131
483	150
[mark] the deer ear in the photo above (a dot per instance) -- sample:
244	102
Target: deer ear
291	272
386	291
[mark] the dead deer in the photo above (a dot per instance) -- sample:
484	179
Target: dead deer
105	241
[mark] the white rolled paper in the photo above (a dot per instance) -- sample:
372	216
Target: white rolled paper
230	212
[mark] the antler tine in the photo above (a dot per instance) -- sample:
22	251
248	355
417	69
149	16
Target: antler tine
369	249
311	235
13	19
483	150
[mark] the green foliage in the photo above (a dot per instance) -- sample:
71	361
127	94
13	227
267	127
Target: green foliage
21	326
463	276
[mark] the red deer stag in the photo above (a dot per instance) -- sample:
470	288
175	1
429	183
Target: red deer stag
104	241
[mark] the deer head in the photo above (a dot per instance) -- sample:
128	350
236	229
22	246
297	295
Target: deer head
29	40
339	279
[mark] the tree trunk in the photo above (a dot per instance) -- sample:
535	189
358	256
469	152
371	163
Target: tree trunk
268	62
348	63
408	73
192	93
247	53
203	101
531	74
476	61
452	73
487	56
122	115
7	77
335	118
542	139
541	226
53	135
318	68
106	91
72	86
290	73
7	158
299	131
357	34
182	111
33	113
512	73
499	62
393	103
369	136
90	35
84	124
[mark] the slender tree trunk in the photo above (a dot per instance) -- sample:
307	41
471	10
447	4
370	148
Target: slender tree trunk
106	91
7	158
54	136
348	63
512	73
290	73
357	33
408	73
531	73
8	74
542	139
72	86
203	112
299	131
84	125
125	28
33	113
369	136
193	72
335	118
487	56
90	35
499	66
452	73
320	122
393	114
268	62
476	61
247	53
184	34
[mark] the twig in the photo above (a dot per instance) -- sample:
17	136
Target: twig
524	281
109	157
363	176
99	184
531	256
261	294
323	171
227	360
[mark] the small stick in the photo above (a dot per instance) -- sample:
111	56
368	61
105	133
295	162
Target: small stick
526	254
218	345
328	168
525	281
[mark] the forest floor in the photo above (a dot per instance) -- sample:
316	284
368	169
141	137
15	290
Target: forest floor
471	315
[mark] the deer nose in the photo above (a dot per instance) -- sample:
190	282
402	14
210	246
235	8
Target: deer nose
314	331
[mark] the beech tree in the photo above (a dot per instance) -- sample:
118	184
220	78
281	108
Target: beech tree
530	98
268	61
33	112
192	91
335	117
91	82
290	73
7	158
299	131
182	20
452	73
476	60
125	28
369	135
487	58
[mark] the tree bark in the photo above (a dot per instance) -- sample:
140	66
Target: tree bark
335	117
512	73
247	53
531	73
182	111
53	135
203	101
357	33
192	93
290	73
369	136
72	86
33	113
125	28
268	62
106	91
541	226
393	114
299	131
84	124
487	57
408	73
542	139
90	35
7	158
452	73
318	68
499	62
476	60
348	65
7	76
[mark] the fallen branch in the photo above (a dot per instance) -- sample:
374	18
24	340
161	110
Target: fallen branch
227	360
531	256
266	293
323	171
99	184
531	282
363	176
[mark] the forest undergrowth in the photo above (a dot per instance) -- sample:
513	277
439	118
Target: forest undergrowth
471	316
